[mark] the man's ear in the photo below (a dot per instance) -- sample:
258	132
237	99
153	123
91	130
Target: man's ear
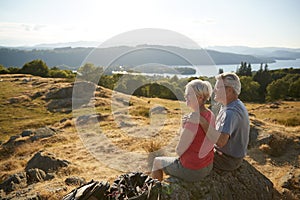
230	89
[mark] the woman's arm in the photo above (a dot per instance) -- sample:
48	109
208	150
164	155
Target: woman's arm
186	138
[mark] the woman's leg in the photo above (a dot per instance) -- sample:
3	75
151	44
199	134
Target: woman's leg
157	172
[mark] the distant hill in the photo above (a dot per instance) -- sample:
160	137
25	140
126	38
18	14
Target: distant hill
272	52
72	58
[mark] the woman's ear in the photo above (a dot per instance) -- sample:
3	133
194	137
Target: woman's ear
200	98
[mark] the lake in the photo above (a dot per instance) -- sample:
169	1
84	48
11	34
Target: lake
213	70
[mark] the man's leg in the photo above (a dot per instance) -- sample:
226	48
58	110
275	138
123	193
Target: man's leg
226	163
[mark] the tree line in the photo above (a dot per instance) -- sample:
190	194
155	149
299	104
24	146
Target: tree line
38	68
257	86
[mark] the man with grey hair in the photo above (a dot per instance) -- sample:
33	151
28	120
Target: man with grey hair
231	135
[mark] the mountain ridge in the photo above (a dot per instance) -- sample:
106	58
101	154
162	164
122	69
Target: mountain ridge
125	55
273	52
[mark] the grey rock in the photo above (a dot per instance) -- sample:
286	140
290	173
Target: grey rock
26	133
12	140
253	135
71	96
14	182
158	110
35	175
44	132
244	183
60	93
46	162
75	181
85	119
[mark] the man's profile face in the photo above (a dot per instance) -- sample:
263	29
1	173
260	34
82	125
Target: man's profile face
220	92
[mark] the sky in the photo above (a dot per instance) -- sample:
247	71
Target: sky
253	23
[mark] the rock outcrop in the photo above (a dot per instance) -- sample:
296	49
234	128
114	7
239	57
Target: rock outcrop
244	183
30	136
41	167
71	96
46	162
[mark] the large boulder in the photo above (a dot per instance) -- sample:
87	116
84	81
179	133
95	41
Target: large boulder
37	170
244	183
63	99
46	162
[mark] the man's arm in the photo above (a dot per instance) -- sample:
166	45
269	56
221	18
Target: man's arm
218	138
223	139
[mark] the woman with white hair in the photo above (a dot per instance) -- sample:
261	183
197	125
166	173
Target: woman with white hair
195	150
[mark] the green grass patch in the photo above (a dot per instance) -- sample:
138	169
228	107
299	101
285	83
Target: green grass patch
142	111
16	117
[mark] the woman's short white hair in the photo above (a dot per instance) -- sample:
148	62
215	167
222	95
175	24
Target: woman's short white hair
200	88
230	79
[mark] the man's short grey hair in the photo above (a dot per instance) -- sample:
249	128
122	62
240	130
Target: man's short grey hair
230	79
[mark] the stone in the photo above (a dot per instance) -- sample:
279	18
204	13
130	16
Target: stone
44	132
46	162
253	134
26	133
244	183
35	175
75	181
158	110
14	182
11	140
86	119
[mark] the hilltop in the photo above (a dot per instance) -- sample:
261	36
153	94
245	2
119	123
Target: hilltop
37	120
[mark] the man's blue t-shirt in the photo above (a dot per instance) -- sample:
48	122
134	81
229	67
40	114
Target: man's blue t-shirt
233	119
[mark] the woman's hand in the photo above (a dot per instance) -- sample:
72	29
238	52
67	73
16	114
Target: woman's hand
184	119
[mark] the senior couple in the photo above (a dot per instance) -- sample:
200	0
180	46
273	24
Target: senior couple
207	142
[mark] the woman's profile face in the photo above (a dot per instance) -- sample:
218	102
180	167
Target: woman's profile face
191	99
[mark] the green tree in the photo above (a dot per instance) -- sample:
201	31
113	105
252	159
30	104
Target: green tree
264	78
244	69
293	82
36	68
90	72
3	70
58	74
249	90
277	90
13	70
294	89
221	71
174	79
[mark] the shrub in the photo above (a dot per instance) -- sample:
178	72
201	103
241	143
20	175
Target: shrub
36	68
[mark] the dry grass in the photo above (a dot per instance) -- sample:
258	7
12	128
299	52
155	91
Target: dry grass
286	113
153	146
145	135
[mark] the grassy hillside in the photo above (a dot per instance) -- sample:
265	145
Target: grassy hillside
19	109
131	127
